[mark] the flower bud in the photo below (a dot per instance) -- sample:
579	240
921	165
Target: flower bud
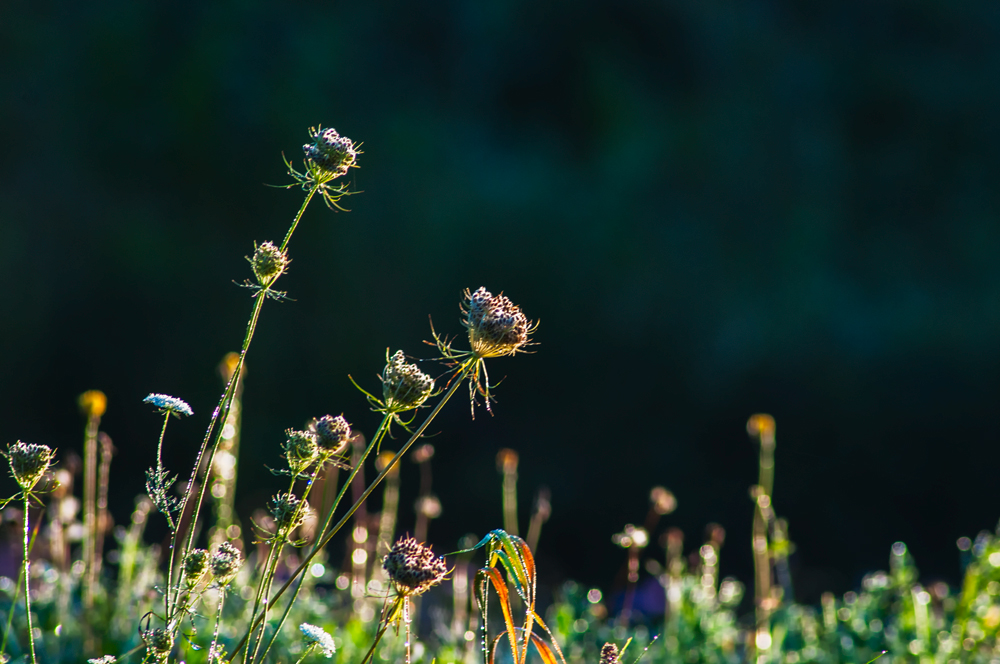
609	654
332	433
225	563
28	463
268	263
496	326
413	567
300	449
195	566
330	152
289	511
404	386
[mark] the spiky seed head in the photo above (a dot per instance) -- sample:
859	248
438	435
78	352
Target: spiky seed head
317	636
288	510
159	642
93	403
268	262
404	385
496	326
301	449
332	433
195	566
609	654
330	152
413	567
28	463
168	404
225	563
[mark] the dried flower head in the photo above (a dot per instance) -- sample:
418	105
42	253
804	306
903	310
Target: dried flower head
317	637
288	510
496	326
268	262
159	642
167	404
609	654
225	562
301	449
28	463
332	433
93	403
330	152
404	385
195	566
413	567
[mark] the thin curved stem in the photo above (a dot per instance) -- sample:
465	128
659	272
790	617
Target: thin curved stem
27	582
462	373
222	410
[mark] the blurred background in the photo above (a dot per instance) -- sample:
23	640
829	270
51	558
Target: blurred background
715	209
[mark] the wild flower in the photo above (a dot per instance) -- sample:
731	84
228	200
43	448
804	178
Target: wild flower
301	450
327	158
404	385
318	638
159	643
289	511
169	405
609	654
195	566
106	659
28	463
225	563
268	263
413	567
333	434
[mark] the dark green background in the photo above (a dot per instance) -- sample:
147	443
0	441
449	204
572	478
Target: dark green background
715	208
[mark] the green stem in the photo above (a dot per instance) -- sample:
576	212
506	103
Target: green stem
222	410
306	653
462	373
218	620
27	582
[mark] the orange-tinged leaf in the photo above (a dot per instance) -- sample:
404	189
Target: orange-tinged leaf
543	650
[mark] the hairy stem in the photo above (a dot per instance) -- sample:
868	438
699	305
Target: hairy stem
27	581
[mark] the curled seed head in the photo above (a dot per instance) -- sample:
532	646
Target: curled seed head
167	404
93	403
288	510
300	449
330	152
404	386
195	566
332	433
268	262
413	567
496	326
225	562
28	463
317	636
159	642
609	654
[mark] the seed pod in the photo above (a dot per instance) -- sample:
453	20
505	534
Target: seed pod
288	511
28	463
496	326
404	386
332	433
301	449
268	263
195	566
225	562
413	567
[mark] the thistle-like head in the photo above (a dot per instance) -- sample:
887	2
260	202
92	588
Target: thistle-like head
28	463
301	449
413	567
159	642
288	510
330	153
404	385
333	434
195	566
268	262
609	654
225	563
496	326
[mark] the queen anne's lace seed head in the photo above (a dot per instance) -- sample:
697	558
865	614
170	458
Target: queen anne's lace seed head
496	325
167	404
195	566
301	449
268	263
28	463
159	642
609	654
330	151
404	385
332	433
225	563
318	637
288	510
413	567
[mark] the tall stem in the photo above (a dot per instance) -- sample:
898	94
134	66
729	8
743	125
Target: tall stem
463	372
27	582
222	410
